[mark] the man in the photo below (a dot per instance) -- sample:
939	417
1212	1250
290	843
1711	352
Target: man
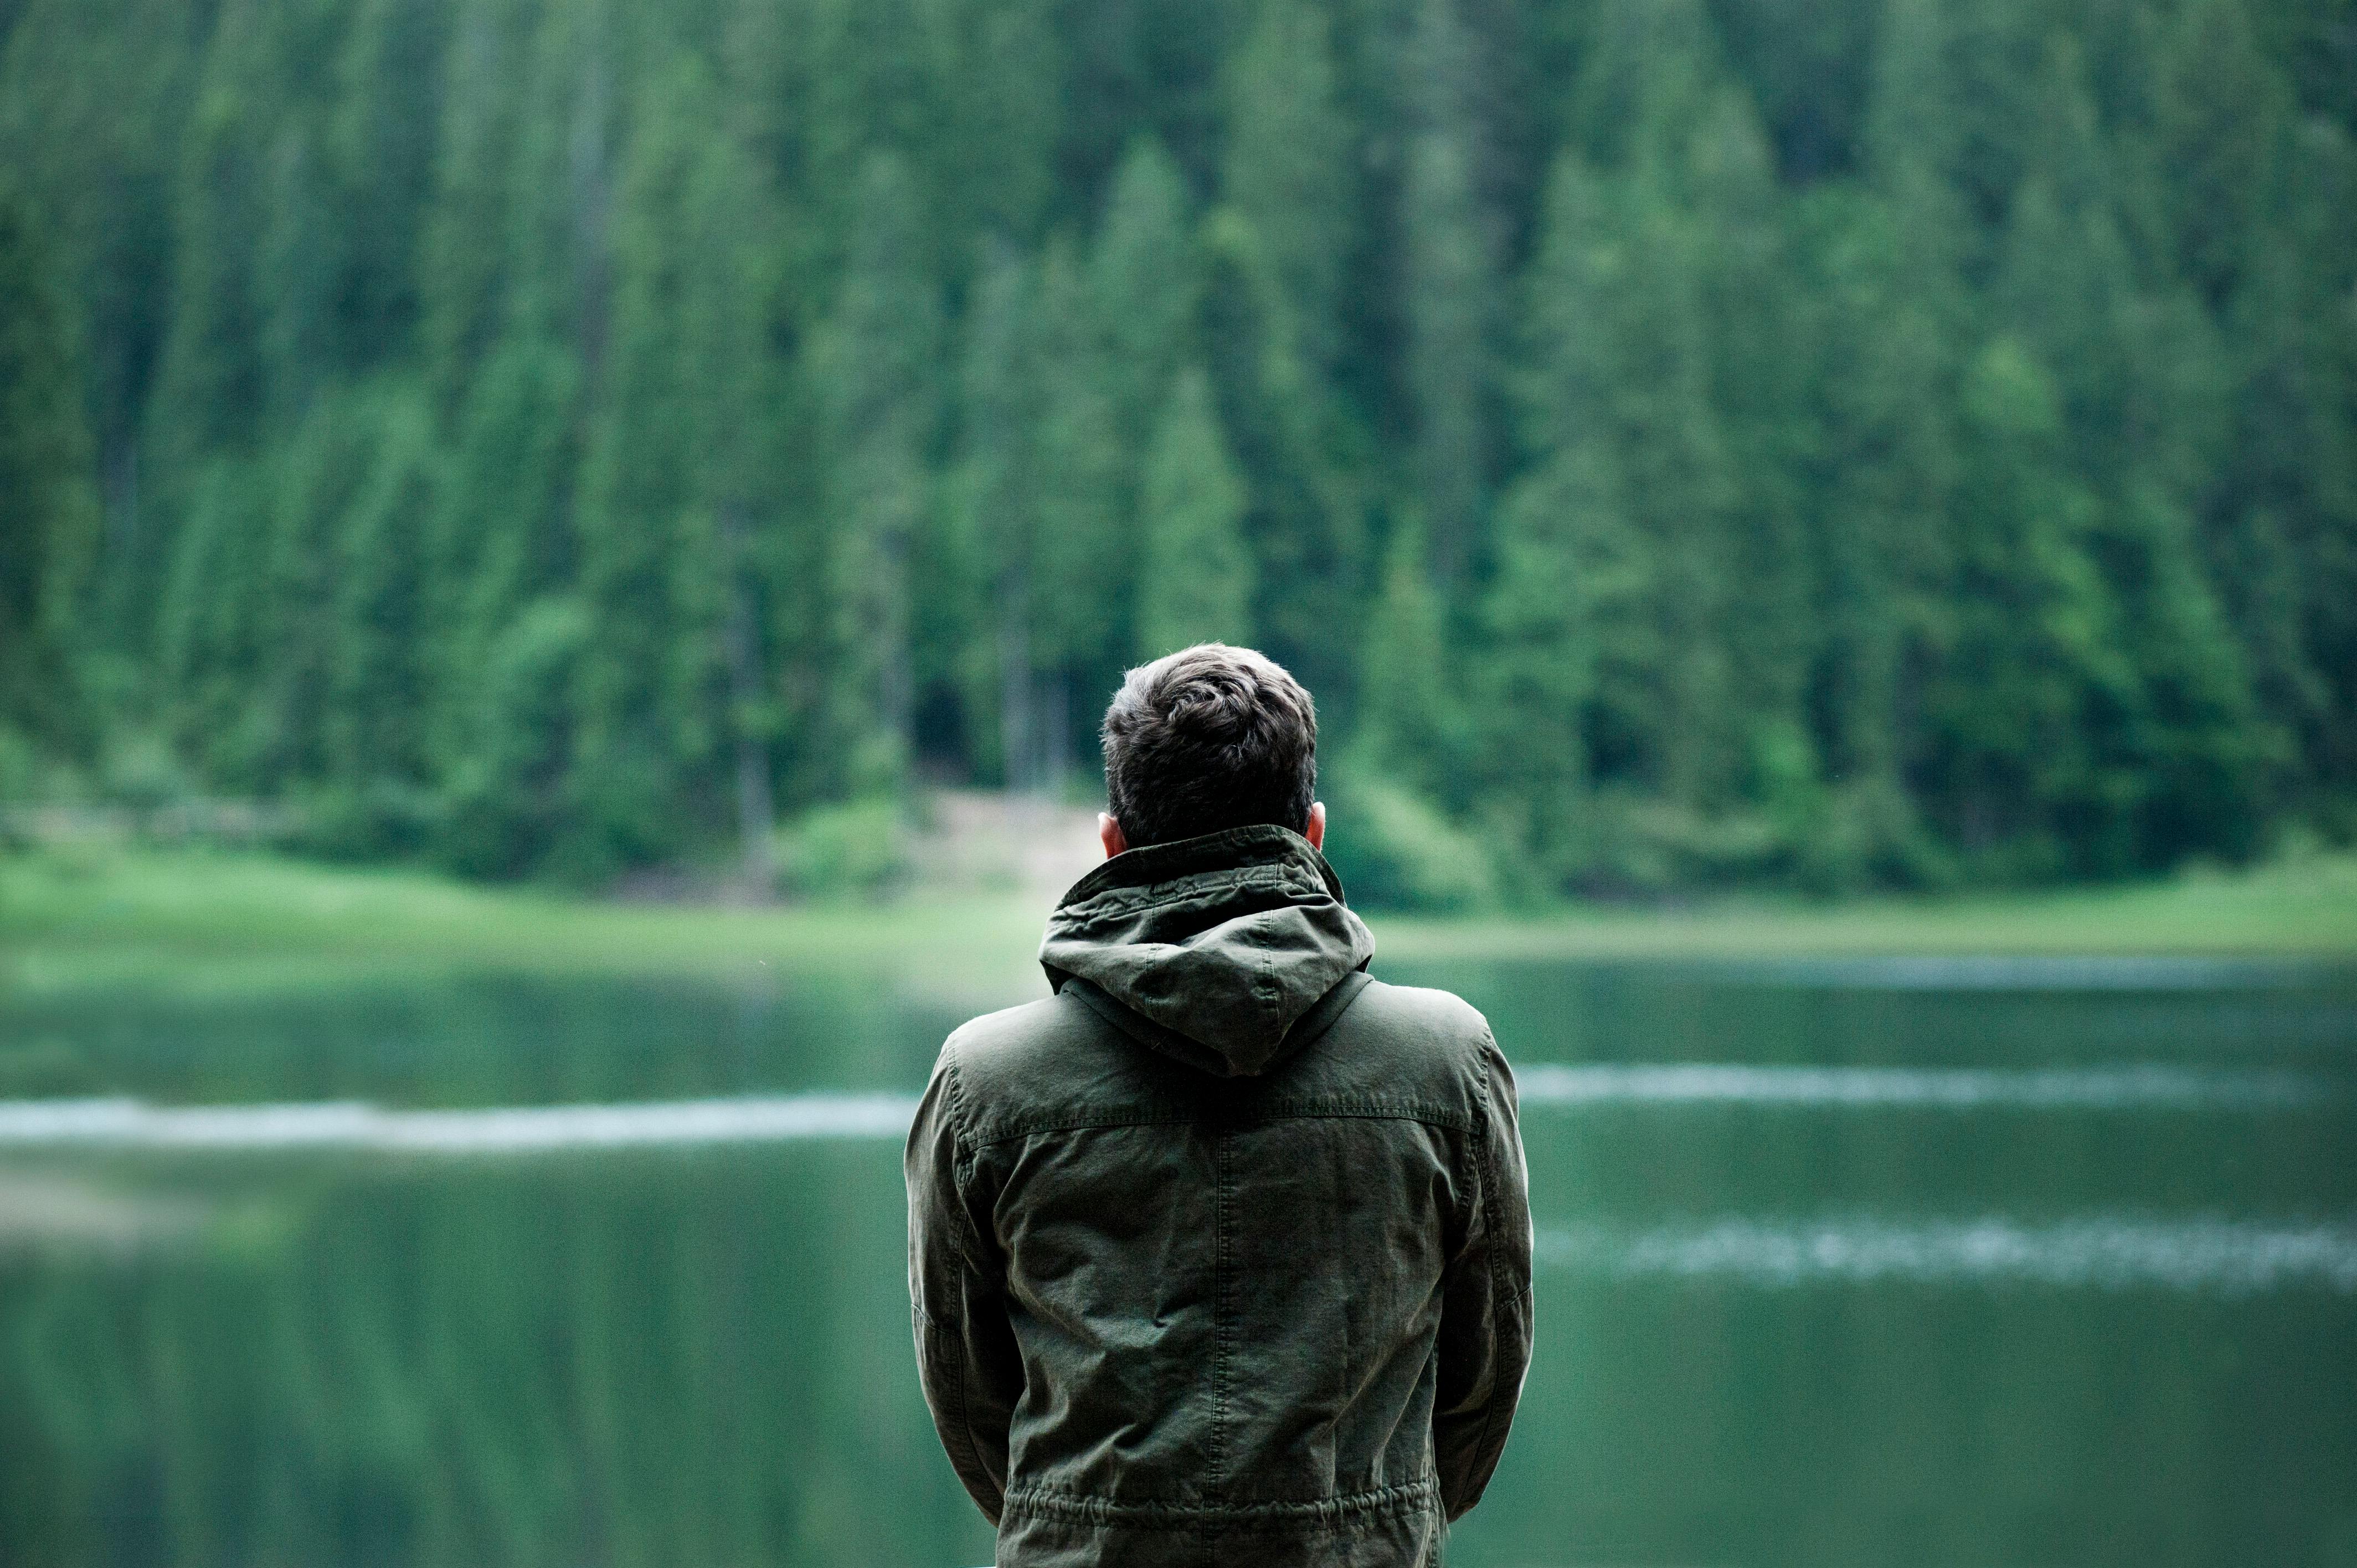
1221	1253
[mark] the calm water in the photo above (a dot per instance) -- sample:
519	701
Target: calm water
1899	1263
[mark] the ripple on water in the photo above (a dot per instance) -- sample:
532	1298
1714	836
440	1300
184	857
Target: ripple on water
2209	1255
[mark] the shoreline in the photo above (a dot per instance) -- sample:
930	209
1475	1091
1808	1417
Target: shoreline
120	912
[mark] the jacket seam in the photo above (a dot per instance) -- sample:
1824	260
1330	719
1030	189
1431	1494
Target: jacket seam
1346	1110
961	1168
1279	1111
1499	1297
1223	1277
957	1097
1423	1492
967	1462
1082	1122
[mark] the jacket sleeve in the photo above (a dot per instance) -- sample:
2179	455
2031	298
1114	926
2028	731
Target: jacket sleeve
967	1355
1485	1312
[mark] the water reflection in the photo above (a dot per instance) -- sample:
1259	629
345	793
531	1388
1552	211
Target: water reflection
2228	1257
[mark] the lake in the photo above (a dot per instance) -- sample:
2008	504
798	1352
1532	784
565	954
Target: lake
1879	1262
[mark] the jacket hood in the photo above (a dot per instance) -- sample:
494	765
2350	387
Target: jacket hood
1217	949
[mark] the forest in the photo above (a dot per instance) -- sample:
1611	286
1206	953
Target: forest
1822	443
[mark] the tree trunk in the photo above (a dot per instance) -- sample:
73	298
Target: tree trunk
756	810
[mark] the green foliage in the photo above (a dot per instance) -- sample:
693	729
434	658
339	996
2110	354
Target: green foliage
1395	849
1451	293
1408	716
512	806
876	368
858	849
1287	171
1681	443
1195	573
48	511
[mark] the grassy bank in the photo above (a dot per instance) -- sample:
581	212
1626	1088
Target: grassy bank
237	921
2307	909
86	914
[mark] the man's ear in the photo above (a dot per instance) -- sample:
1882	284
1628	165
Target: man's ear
1314	830
1109	833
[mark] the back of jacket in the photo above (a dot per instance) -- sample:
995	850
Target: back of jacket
1221	1254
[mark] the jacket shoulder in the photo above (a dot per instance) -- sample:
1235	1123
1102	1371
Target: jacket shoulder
1055	1062
977	1041
1437	1019
1006	1048
1402	1043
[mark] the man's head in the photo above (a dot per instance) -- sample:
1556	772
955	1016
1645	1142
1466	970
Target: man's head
1208	737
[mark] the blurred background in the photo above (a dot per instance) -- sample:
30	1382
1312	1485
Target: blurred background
567	554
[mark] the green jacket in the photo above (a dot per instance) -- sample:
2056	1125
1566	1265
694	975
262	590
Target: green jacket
1220	1254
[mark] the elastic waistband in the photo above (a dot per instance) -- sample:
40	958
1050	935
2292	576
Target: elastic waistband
1420	1495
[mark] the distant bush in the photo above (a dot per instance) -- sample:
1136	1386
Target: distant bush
380	819
1394	850
859	849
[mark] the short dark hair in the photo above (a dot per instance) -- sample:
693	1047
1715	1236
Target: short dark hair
1208	737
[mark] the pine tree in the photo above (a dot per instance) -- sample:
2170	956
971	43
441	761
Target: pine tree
48	513
1143	288
381	145
1451	249
2027	697
1758	347
94	105
376	742
1083	580
1288	174
877	370
210	379
1407	719
1565	659
1003	483
214	630
501	532
466	256
1279	249
1194	573
641	751
2220	114
1622	386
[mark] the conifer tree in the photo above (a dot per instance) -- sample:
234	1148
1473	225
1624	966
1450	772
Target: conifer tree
2219	117
1195	572
2035	666
376	742
501	532
314	488
211	376
876	368
1143	288
466	257
1003	486
1571	583
1083	579
48	513
1450	245
1407	718
380	142
1623	379
1279	250
1288	174
212	633
641	748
